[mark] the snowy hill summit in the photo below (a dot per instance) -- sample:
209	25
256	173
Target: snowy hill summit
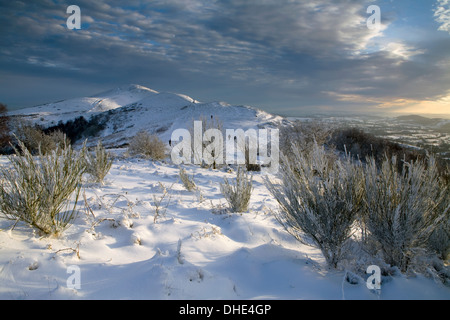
126	110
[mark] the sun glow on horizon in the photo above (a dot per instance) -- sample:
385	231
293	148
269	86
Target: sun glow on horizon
439	107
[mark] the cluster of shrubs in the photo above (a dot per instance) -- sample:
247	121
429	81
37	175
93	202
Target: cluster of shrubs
42	190
42	184
335	184
339	183
355	142
34	136
395	201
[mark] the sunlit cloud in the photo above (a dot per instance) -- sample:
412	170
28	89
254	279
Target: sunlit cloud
442	14
440	106
402	51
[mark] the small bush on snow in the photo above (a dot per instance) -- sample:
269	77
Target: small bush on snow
238	194
36	140
98	163
320	197
440	238
305	134
38	190
147	145
404	207
187	181
439	241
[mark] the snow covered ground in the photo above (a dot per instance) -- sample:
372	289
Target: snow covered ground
194	249
141	235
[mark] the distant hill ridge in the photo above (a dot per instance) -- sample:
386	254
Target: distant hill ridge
128	109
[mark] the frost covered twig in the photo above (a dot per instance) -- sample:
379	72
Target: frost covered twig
158	202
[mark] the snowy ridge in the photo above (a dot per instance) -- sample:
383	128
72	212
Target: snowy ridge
49	114
132	108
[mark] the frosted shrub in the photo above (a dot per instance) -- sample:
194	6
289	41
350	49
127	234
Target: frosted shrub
238	194
305	134
403	208
147	145
439	241
35	140
38	190
320	197
187	181
98	163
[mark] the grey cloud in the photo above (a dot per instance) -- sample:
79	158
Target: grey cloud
273	53
319	27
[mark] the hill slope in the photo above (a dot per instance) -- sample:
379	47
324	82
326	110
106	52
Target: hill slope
129	109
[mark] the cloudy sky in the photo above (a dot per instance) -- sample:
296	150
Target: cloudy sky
285	56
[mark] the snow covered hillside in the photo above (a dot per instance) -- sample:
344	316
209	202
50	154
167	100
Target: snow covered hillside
142	235
129	109
193	249
51	113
